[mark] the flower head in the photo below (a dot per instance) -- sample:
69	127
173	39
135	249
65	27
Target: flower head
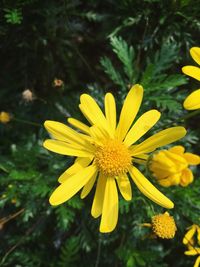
5	117
106	154
193	100
171	167
163	225
58	82
28	95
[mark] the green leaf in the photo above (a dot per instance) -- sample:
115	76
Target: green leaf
112	73
126	55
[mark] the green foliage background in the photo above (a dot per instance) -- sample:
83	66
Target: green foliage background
94	47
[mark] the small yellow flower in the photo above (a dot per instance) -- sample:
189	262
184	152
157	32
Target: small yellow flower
163	225
192	102
58	82
170	167
5	117
106	156
189	236
189	241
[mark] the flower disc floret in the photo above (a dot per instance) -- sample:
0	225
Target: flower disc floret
163	225
113	158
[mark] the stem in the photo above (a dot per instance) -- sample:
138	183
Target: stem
98	251
27	122
10	217
21	240
190	115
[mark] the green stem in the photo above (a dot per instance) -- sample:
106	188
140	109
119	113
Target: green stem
190	115
27	122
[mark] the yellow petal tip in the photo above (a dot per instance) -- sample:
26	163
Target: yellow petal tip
52	201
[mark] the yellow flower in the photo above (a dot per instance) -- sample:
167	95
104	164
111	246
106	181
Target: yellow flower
163	225
106	154
193	100
189	241
170	167
5	117
189	236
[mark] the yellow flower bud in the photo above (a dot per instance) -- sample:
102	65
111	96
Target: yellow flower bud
5	117
170	167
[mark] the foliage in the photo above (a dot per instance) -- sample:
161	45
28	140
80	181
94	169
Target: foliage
89	45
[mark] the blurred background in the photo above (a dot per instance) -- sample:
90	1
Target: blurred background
53	51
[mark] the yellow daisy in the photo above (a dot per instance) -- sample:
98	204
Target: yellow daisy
193	100
106	154
171	166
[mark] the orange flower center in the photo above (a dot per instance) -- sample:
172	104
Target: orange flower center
113	158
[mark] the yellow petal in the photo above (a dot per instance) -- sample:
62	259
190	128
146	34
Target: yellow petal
92	112
110	111
186	177
179	161
129	110
197	262
64	133
160	171
159	139
161	158
193	251
188	236
79	164
195	53
149	190
88	187
109	216
192	71
198	234
192	159
69	188
142	125
124	187
170	180
175	178
66	149
177	150
98	134
78	124
192	102
97	204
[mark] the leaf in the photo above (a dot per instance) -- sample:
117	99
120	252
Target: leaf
114	75
126	55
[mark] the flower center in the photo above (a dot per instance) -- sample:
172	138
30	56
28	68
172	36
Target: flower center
113	158
163	225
